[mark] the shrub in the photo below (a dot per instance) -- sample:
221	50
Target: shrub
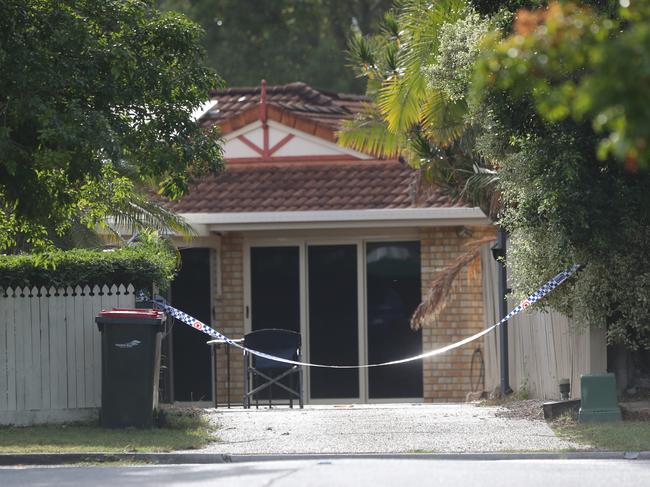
141	265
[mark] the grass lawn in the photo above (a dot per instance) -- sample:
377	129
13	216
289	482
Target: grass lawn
182	431
620	436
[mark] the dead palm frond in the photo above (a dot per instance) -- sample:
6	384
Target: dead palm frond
438	295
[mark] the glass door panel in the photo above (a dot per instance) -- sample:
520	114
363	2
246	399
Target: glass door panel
333	320
190	292
275	298
393	293
275	288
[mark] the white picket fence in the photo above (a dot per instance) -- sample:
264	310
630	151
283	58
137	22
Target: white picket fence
50	351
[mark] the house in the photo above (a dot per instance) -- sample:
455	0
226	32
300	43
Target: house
303	234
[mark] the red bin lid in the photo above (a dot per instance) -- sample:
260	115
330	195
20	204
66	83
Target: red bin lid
132	313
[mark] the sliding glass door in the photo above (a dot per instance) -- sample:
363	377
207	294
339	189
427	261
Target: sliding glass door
333	320
275	288
352	303
393	292
275	298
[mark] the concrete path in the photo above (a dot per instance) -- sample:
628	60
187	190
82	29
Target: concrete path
394	428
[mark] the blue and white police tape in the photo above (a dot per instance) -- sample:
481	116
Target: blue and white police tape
536	296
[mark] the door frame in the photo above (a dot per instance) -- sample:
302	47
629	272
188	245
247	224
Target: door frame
303	242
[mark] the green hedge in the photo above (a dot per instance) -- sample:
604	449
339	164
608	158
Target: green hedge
140	265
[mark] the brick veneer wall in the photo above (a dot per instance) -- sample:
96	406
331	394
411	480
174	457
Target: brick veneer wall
447	377
230	315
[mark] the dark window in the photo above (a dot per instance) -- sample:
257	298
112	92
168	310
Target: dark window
190	292
275	299
394	291
333	320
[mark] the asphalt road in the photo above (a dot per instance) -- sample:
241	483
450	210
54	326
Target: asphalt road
347	472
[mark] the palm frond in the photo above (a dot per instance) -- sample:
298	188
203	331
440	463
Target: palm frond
400	99
141	213
420	22
389	26
481	188
442	121
368	133
389	59
361	56
418	26
442	285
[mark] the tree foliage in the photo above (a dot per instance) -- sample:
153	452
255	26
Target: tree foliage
536	112
95	103
577	63
149	261
418	71
572	168
282	41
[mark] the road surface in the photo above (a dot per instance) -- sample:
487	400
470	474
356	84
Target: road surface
346	472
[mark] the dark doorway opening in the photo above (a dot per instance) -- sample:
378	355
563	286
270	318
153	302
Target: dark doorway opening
191	293
394	291
333	320
275	300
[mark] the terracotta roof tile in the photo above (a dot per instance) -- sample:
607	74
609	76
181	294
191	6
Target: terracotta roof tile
323	107
355	185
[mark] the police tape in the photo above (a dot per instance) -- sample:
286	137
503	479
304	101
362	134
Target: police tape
202	327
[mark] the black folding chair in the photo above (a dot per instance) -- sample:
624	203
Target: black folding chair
285	344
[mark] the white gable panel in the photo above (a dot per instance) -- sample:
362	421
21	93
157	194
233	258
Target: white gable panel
299	146
317	145
276	135
256	136
302	144
236	148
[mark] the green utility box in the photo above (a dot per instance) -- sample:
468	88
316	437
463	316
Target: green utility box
599	401
130	366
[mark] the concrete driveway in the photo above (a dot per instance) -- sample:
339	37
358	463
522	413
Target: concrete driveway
390	428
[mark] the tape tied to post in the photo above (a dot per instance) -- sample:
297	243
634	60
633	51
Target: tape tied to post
183	317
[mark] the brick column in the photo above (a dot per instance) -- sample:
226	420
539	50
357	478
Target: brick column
447	377
230	315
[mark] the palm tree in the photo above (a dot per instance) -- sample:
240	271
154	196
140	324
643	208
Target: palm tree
410	116
418	119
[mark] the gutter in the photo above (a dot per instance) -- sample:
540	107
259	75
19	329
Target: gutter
307	220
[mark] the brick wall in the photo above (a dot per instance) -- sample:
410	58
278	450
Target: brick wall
230	315
447	377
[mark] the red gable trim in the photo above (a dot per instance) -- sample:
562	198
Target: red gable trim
281	116
263	113
251	144
264	151
309	159
280	144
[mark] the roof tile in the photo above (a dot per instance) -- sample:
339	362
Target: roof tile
323	107
307	187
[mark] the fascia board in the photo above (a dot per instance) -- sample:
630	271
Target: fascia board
399	217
